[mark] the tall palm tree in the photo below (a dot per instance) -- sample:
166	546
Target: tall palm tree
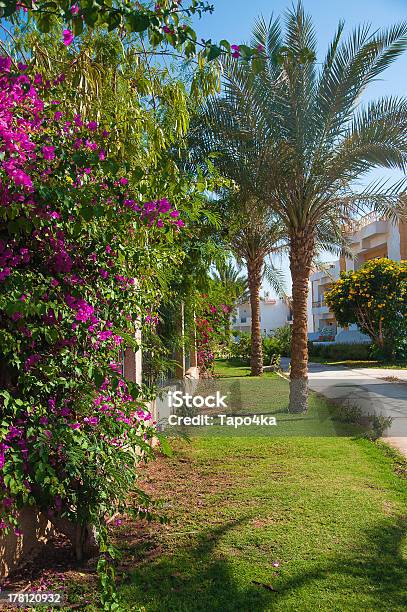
254	236
307	140
253	232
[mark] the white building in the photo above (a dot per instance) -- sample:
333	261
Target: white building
322	319
274	313
370	237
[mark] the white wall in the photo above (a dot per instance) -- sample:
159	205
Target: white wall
393	242
273	316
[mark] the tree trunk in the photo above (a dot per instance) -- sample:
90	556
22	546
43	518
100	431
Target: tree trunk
254	272
83	538
301	253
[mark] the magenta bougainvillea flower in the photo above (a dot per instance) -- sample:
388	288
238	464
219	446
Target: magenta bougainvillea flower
67	37
235	51
71	297
48	152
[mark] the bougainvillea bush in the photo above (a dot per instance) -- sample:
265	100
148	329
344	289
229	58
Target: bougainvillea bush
212	334
71	298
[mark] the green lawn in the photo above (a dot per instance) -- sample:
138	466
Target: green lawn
225	368
262	523
268	396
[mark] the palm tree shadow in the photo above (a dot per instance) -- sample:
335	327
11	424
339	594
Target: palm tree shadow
198	578
195	578
377	566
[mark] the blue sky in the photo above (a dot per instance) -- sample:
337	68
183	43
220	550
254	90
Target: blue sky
233	19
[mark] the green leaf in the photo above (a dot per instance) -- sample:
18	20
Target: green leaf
9	8
225	44
44	23
113	21
258	65
138	22
77	25
98	378
165	446
138	173
87	212
214	52
245	51
90	16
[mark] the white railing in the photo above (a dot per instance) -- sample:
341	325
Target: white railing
357	224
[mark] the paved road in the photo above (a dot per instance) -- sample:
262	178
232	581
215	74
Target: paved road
366	388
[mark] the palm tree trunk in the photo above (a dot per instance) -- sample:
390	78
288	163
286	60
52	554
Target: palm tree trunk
254	272
301	252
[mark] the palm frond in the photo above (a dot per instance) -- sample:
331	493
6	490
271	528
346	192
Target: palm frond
275	278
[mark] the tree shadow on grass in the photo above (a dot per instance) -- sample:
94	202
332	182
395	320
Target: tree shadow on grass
192	579
196	578
377	569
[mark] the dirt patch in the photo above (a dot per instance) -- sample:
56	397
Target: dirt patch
265	522
394	379
183	486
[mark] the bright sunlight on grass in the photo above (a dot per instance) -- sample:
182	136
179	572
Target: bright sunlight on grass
273	523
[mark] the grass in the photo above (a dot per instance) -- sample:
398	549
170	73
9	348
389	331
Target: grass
274	523
260	523
229	368
264	524
268	396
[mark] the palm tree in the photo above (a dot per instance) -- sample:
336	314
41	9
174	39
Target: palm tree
253	232
234	284
253	237
303	140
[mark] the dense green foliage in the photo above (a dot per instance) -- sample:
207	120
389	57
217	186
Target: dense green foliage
77	244
276	344
338	352
374	297
91	242
164	25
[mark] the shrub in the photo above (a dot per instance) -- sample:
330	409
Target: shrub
278	343
340	352
374	297
72	430
348	413
212	334
282	336
379	425
271	347
241	348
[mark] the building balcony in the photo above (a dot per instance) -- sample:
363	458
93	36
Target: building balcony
320	307
369	226
242	321
376	228
329	273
